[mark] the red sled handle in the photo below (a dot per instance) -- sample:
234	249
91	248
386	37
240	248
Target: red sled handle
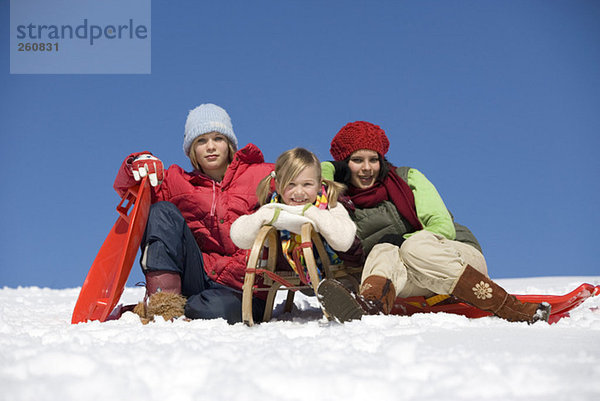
127	201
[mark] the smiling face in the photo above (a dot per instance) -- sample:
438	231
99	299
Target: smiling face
364	167
211	151
303	188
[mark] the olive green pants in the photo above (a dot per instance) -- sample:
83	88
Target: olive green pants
425	264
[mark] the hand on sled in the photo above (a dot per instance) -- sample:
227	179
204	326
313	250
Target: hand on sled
264	215
289	217
148	165
290	221
292	209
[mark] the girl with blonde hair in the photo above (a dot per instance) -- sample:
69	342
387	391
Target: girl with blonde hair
295	194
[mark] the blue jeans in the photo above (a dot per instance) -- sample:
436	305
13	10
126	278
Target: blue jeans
169	245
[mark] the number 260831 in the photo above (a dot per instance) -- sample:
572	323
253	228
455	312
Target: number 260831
37	47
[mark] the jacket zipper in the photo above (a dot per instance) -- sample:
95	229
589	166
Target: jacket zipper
213	207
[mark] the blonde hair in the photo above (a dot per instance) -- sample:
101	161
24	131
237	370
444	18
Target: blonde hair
192	154
287	167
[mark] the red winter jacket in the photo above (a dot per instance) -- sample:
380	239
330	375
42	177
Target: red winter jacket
210	207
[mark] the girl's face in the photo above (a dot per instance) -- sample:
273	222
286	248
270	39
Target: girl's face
212	154
303	188
364	167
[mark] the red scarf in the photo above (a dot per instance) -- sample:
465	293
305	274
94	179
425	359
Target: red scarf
391	188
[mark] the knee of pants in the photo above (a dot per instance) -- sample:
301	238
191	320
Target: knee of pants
418	246
164	218
163	209
384	260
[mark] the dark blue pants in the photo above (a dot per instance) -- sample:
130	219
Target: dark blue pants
169	245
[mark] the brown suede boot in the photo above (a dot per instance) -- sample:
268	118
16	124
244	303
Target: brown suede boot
480	291
377	295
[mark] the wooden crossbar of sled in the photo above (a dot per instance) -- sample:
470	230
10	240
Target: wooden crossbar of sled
267	241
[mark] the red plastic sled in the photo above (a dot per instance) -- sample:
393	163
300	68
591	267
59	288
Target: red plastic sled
561	304
106	279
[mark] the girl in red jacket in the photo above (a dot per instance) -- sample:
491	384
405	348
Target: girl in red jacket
186	249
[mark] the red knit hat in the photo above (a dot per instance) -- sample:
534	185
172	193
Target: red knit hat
356	136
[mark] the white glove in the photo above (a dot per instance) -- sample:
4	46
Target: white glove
246	227
293	209
148	165
264	215
291	222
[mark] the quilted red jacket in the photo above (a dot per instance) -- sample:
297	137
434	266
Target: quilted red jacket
210	207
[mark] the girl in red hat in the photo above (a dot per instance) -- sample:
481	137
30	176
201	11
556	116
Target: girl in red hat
414	247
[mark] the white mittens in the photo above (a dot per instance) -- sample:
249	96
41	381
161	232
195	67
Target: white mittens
283	217
288	217
246	227
297	209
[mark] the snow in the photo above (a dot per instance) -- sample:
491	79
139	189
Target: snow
300	356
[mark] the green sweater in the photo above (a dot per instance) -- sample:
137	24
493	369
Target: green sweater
374	223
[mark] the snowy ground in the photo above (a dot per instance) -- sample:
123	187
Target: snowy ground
299	357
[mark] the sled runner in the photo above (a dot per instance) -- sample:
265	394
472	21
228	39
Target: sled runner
262	260
561	304
106	278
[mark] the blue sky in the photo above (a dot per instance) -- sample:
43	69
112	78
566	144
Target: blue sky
497	103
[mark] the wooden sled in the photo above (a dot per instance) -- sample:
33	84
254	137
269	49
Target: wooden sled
267	244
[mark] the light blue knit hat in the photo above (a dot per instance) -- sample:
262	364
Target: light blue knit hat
204	119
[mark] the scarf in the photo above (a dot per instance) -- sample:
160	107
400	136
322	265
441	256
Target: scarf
291	244
391	188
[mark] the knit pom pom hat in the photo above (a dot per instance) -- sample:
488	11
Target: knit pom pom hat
204	119
356	136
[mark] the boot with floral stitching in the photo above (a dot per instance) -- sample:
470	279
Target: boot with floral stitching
480	291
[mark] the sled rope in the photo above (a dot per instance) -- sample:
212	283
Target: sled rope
272	276
300	270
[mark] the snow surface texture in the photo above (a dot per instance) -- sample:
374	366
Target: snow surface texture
301	356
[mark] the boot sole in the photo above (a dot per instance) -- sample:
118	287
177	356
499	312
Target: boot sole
337	302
